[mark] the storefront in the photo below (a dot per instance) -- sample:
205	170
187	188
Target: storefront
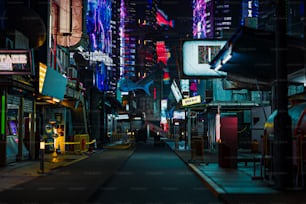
17	123
62	111
17	140
19	132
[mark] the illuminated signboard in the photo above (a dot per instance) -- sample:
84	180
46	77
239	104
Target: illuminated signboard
16	62
185	87
179	115
197	55
162	52
163	110
250	13
162	19
191	100
122	117
42	76
200	19
176	92
98	25
163	56
97	56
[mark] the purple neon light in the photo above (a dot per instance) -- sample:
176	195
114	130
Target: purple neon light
199	19
98	26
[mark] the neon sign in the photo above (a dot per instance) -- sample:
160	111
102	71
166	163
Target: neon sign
98	24
162	19
97	56
200	19
16	62
163	54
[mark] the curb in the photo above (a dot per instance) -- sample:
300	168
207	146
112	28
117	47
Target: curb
213	187
209	183
64	164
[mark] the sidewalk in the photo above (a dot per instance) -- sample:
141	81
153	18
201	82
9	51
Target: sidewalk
237	186
20	172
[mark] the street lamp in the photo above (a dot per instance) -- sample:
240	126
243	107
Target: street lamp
42	153
53	132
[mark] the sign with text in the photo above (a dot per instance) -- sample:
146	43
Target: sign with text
14	62
97	56
197	54
191	100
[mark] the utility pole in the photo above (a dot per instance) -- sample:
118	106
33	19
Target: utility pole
282	144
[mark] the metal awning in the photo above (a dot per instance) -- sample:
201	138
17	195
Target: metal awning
249	57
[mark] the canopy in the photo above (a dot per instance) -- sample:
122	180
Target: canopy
250	57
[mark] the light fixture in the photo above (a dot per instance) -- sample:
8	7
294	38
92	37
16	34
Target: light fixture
226	59
52	122
55	100
218	66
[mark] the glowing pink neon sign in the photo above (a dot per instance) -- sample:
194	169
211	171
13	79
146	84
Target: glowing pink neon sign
162	19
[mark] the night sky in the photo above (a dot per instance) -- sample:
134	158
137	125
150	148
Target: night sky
181	12
178	10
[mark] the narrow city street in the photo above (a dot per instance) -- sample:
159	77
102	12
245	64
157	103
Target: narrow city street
146	174
154	174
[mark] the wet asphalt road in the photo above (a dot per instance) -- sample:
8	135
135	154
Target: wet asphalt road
148	174
154	174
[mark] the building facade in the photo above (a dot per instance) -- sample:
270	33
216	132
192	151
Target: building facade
52	91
